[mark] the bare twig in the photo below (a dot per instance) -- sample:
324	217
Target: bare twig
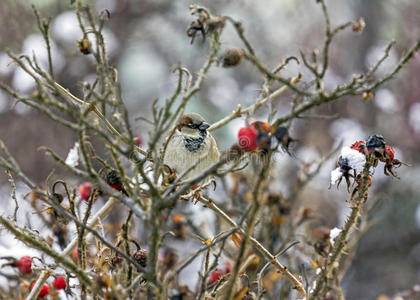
259	247
252	108
261	272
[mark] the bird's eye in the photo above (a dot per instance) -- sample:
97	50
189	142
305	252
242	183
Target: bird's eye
193	126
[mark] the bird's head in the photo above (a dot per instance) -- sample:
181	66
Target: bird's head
193	124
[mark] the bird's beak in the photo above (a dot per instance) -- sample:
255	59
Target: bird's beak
203	126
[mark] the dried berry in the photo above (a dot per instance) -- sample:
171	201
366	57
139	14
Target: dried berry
57	197
354	158
114	181
390	161
196	26
282	135
141	257
205	23
359	25
262	126
85	46
343	170
24	265
232	57
322	247
389	154
59	283
375	141
343	163
368	96
264	137
376	145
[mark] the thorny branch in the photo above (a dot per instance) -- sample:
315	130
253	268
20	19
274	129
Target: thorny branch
341	241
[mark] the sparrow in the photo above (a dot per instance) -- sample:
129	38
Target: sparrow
191	144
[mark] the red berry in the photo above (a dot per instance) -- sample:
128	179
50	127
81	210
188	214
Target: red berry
216	275
24	265
247	138
389	153
137	140
44	290
359	146
85	189
75	254
59	283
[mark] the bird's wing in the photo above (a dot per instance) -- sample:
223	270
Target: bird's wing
214	152
174	153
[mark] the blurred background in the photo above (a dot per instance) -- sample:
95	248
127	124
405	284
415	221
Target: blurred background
145	38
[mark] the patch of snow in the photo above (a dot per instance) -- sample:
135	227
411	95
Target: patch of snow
336	174
333	234
356	160
73	157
